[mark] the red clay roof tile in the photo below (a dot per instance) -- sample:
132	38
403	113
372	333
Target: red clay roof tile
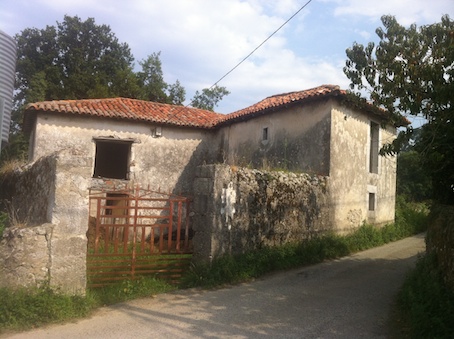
146	111
130	109
284	99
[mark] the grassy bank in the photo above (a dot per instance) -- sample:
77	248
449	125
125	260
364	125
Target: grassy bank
425	306
27	308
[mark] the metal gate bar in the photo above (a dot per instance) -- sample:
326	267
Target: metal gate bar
137	232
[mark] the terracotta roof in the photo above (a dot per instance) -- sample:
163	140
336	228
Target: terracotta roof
130	109
285	99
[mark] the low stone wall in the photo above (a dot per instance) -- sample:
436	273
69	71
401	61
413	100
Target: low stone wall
237	209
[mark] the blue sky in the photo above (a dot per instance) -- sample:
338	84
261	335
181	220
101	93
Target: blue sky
201	40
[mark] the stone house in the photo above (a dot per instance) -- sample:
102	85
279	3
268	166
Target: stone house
159	145
94	142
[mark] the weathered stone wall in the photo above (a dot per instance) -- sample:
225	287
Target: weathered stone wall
25	248
297	139
25	258
47	243
238	209
351	179
28	192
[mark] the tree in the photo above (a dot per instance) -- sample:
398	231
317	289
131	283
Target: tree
75	60
410	72
153	86
413	182
209	97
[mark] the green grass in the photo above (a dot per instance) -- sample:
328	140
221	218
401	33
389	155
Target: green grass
425	306
3	222
27	308
31	307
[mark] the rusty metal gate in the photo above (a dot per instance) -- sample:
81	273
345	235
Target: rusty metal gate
137	232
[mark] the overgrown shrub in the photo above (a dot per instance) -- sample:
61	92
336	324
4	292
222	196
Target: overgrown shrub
426	305
440	240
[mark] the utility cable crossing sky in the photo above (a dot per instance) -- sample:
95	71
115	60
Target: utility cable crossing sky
263	42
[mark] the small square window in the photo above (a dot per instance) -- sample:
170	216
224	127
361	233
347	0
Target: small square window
112	159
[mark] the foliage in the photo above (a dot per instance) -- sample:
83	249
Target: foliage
411	72
412	181
3	222
75	60
209	97
128	290
25	308
425	305
15	150
152	84
30	307
410	219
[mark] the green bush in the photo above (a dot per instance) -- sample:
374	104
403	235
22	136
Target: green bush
425	304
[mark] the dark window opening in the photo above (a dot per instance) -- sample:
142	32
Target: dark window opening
265	134
112	159
373	151
371	201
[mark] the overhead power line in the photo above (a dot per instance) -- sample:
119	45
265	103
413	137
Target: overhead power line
263	42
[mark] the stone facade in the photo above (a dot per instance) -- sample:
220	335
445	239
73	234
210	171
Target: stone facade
325	138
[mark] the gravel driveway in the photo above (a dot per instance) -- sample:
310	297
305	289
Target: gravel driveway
346	298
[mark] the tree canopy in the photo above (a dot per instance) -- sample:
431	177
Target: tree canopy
410	72
209	97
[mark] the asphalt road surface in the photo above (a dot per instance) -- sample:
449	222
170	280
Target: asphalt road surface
346	298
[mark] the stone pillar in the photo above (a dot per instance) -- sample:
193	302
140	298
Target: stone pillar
211	212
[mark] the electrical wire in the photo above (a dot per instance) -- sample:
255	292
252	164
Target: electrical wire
263	42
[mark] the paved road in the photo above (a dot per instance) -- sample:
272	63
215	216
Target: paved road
347	298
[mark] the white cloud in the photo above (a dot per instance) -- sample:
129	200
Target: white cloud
406	11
